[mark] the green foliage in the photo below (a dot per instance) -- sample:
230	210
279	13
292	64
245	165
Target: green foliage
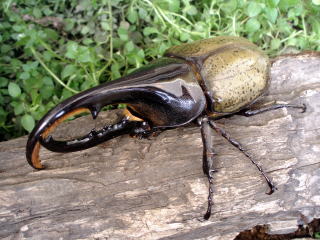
50	50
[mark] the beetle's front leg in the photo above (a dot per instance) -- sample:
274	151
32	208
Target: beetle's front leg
208	157
95	137
143	130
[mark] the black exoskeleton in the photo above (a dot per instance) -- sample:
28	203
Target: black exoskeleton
194	82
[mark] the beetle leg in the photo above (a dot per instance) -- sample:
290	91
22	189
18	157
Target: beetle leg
250	112
223	133
125	126
95	137
143	130
208	157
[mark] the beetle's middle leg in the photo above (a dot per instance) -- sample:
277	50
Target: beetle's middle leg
208	157
223	133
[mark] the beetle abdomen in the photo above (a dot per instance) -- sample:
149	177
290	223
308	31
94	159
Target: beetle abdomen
236	76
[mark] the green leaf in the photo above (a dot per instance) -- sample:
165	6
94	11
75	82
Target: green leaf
170	5
285	4
174	5
141	54
17	28
29	66
272	14
69	24
14	90
275	43
292	42
3	82
132	15
252	25
5	48
315	25
47	81
51	34
115	71
72	48
293	12
191	10
24	75
37	12
184	37
142	13
283	26
47	11
302	43
129	46
84	5
85	30
105	25
229	6
46	92
149	30
85	85
65	94
27	122
273	3
68	71
18	108
33	83
84	54
87	41
123	33
253	9
16	63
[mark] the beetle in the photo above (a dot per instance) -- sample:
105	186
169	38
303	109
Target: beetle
194	82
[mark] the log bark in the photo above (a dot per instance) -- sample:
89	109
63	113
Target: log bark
155	189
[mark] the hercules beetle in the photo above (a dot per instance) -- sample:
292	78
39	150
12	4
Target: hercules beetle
200	81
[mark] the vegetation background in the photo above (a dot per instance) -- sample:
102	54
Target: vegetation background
52	49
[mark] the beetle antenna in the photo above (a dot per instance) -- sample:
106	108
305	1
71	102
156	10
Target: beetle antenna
224	134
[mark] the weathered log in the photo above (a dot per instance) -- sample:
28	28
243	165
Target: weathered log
155	189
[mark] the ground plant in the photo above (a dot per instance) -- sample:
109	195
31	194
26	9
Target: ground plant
52	49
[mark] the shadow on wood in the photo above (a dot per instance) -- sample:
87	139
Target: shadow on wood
155	189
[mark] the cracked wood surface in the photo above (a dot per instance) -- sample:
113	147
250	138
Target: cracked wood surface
155	189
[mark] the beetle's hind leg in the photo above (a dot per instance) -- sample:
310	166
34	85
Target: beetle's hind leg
208	157
251	112
223	133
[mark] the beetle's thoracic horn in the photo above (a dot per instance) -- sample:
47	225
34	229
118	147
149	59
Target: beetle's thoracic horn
157	93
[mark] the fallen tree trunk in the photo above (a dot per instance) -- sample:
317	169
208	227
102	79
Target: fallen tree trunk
155	189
